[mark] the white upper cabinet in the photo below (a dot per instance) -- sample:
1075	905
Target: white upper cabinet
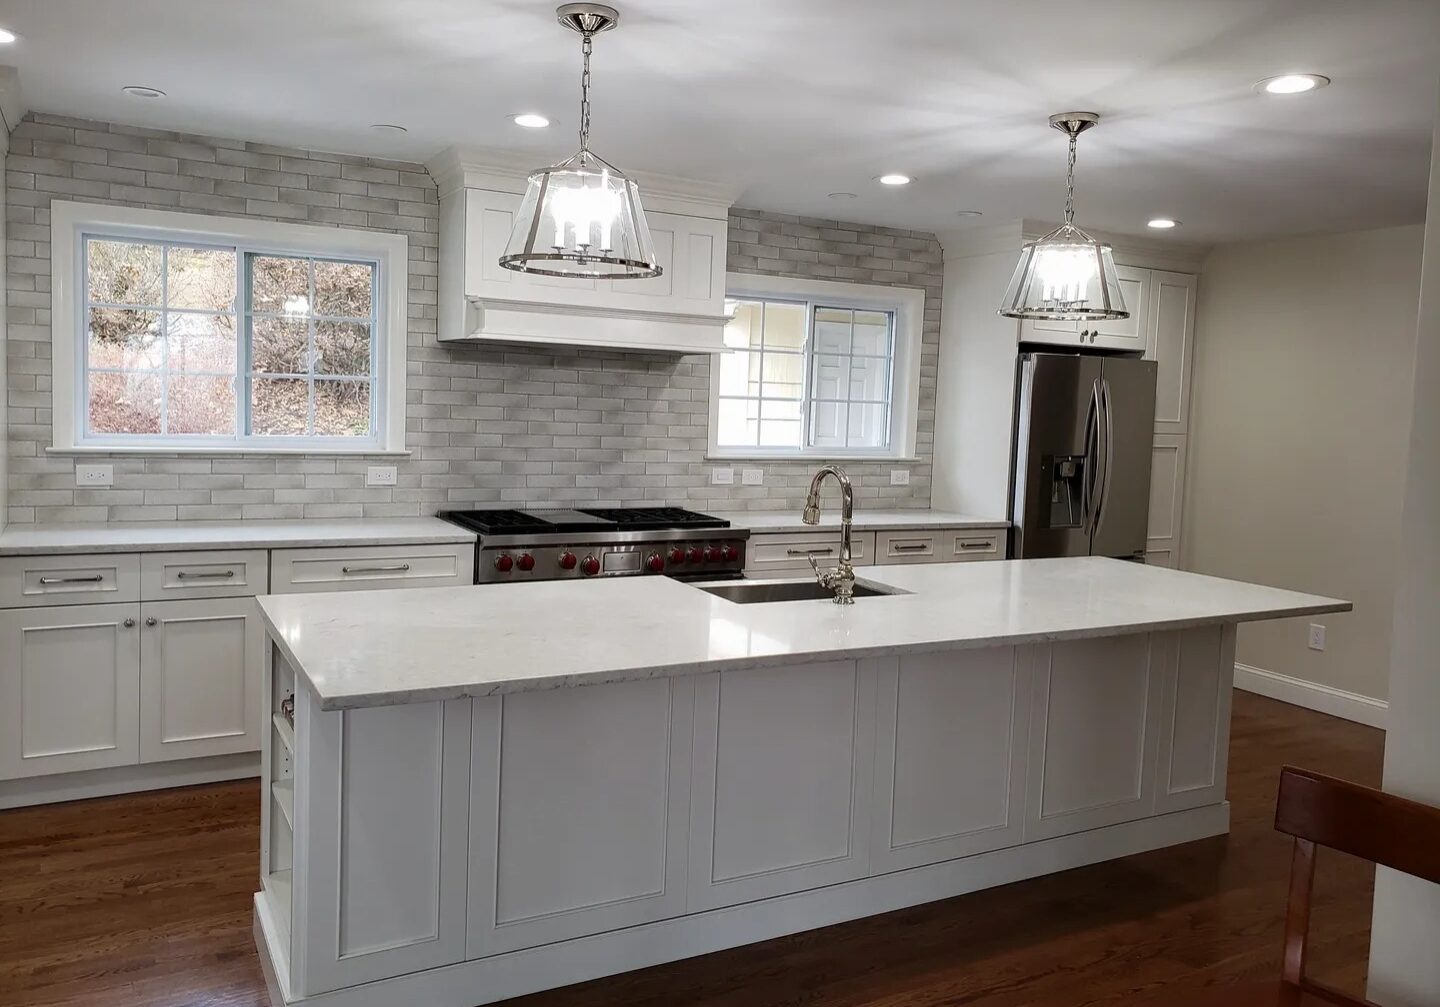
680	311
1171	345
1118	334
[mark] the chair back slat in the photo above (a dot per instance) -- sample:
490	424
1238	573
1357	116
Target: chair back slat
1400	834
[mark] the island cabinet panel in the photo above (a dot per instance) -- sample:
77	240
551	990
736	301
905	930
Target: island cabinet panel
950	754
380	837
69	689
782	780
1195	718
578	811
1094	735
200	670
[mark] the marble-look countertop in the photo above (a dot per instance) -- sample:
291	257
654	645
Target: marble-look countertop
379	648
864	520
170	536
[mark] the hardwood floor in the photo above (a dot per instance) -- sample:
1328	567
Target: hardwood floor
145	900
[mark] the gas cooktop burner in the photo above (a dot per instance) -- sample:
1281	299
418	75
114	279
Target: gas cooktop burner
543	520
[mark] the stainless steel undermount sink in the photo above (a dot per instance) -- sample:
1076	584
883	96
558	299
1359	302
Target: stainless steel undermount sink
755	592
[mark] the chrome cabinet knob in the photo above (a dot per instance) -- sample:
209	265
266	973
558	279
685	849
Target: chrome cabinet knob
129	623
150	621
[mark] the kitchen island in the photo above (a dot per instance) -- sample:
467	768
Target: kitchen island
488	791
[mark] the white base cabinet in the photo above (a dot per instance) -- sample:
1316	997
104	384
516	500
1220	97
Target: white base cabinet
475	850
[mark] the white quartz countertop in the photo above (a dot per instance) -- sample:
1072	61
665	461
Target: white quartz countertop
379	648
866	520
154	536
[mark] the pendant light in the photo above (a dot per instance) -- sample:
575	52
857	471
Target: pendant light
582	217
1066	275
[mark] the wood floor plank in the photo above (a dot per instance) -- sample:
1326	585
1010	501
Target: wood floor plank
144	901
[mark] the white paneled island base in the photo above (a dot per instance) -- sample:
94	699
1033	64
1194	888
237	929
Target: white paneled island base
469	848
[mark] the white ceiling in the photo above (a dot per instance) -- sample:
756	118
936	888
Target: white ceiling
792	99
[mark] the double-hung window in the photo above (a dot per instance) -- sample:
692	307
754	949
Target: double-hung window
182	332
815	368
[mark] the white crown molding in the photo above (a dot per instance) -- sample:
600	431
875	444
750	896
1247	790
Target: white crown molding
1130	250
506	171
12	104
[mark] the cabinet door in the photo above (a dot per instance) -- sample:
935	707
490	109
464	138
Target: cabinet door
578	811
1167	501
69	689
1126	333
782	781
200	670
1052	332
1093	735
1195	719
1171	346
950	752
379	841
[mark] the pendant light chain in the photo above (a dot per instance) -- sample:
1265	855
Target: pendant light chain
1070	184
585	47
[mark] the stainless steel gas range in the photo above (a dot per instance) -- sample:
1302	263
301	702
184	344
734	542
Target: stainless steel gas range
546	544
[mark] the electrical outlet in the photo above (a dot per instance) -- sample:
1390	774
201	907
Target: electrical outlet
94	475
1317	636
899	477
722	477
380	475
752	477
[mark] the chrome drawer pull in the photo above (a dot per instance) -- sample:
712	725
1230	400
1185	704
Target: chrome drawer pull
96	579
826	551
982	544
399	568
915	547
222	575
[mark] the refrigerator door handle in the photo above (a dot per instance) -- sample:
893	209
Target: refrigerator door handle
1108	424
1088	477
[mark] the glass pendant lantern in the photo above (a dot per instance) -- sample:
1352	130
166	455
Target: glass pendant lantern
582	217
1067	275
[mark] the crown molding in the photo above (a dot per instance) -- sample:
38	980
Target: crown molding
458	168
1130	250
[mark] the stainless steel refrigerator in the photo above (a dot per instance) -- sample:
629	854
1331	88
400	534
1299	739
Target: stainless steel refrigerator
1081	477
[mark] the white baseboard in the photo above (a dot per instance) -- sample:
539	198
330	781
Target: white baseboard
1312	695
127	779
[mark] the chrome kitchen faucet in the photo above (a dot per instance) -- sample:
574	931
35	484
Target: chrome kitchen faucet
841	578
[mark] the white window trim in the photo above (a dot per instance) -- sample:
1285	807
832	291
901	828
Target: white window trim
908	306
69	221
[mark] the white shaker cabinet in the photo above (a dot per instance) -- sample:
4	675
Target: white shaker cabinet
1167	500
69	688
1171	344
1112	334
200	672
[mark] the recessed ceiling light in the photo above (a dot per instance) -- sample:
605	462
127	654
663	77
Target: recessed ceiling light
530	120
7	36
893	179
969	213
1291	83
1163	223
388	127
841	195
142	91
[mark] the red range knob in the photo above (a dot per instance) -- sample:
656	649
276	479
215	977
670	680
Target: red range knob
526	562
731	554
656	563
712	555
694	555
589	566
677	555
504	563
567	561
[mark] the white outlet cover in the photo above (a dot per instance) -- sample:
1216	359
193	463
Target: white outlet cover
899	477
752	477
1316	639
94	475
380	475
722	477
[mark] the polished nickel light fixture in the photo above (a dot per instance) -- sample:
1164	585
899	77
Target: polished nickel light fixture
1066	275
582	217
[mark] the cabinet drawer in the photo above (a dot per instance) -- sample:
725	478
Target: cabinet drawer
356	569
203	574
790	551
943	545
27	581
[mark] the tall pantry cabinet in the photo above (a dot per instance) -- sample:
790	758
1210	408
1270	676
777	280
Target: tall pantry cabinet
977	370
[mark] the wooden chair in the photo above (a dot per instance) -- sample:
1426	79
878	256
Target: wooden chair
1323	811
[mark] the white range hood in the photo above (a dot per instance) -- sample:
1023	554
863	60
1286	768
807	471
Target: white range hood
680	311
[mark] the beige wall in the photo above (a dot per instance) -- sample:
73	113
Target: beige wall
1304	350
